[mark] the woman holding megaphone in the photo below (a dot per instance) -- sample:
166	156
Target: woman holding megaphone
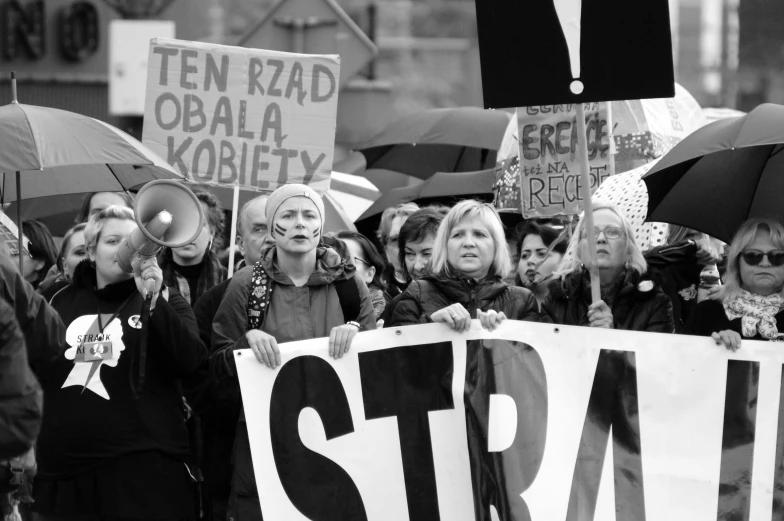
113	442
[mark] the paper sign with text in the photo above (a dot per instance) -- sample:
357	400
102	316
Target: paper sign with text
225	115
533	421
549	157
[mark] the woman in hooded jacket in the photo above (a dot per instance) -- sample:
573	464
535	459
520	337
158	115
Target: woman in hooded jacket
465	279
297	291
113	442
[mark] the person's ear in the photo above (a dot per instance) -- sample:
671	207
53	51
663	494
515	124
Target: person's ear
38	264
371	274
240	244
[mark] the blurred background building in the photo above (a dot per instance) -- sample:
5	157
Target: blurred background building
727	53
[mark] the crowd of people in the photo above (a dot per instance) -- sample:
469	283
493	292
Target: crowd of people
146	403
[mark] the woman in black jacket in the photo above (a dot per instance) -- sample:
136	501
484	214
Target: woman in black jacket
629	300
113	442
470	259
752	305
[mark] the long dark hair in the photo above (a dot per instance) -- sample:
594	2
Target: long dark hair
371	255
41	246
548	235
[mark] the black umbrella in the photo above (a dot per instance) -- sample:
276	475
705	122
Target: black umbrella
722	174
464	139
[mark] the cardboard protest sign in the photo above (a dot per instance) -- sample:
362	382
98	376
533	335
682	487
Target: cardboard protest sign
226	115
534	421
550	166
546	52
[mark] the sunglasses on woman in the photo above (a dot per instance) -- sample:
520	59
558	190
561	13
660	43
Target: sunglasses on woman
754	257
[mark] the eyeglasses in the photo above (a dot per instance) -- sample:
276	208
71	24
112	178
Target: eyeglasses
754	257
366	263
611	232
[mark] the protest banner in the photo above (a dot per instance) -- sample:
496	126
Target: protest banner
550	167
530	422
252	118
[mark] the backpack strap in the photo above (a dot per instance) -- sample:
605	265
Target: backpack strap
261	293
348	295
259	297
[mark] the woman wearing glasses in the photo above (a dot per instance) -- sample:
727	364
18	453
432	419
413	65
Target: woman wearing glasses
752	303
629	300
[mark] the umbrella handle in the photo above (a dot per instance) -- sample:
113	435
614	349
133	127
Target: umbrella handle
19	218
13	87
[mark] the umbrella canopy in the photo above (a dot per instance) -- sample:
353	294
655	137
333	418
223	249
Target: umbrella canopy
722	174
348	197
346	200
40	137
461	139
442	184
49	150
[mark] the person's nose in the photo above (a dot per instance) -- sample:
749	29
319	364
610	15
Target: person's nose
765	263
601	237
468	240
300	223
419	264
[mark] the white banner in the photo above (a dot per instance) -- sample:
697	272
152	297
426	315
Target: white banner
415	423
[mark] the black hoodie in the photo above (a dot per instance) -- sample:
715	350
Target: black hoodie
86	427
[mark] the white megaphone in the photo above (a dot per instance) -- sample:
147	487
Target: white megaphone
168	214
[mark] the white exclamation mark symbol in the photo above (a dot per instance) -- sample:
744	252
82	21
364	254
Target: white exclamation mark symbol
569	14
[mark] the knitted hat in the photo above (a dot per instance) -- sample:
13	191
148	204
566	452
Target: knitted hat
286	192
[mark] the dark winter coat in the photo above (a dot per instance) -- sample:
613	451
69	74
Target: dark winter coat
98	440
709	317
21	398
637	304
40	323
217	405
433	292
674	268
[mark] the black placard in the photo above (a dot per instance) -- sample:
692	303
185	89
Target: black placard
625	49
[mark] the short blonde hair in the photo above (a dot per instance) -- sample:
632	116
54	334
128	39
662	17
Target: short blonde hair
635	258
743	238
502	265
92	232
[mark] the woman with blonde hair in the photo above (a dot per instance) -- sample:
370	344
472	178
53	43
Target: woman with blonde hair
114	428
752	302
629	300
465	277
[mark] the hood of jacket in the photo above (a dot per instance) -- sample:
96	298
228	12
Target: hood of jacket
457	288
330	267
84	277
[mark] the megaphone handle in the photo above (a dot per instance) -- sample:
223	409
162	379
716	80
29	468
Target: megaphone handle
149	288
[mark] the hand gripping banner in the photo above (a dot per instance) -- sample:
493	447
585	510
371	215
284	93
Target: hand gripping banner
530	422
